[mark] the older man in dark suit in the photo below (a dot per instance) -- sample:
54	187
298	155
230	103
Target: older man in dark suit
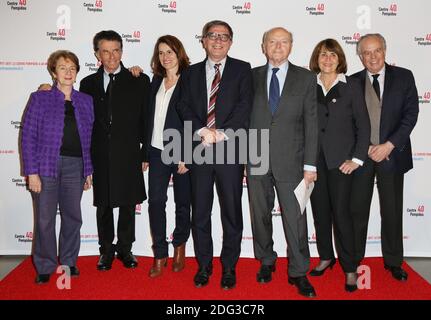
392	102
217	96
285	105
120	106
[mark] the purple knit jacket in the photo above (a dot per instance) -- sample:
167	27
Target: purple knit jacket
42	130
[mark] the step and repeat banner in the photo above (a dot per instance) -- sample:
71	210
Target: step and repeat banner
32	29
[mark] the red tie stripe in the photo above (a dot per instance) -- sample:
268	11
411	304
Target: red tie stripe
213	97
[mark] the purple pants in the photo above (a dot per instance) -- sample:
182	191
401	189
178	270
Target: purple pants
64	191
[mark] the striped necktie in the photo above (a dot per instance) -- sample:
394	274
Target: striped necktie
213	97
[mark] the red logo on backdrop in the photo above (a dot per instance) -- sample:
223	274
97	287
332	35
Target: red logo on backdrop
27	237
276	211
244	182
352	40
97	6
133	37
170	238
244	9
312	239
138	210
316	10
425	98
20	5
170	7
60	35
416	212
423	40
390	11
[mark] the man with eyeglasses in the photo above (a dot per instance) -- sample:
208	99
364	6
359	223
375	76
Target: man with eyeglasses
216	96
392	102
121	102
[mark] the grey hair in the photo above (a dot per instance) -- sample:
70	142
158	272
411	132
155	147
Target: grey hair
265	34
367	36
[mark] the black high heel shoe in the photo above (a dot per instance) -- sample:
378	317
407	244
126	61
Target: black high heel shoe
318	273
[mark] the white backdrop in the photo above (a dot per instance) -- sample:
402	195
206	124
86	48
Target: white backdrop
32	29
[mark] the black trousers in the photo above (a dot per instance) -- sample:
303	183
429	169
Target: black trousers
125	229
159	178
390	188
330	202
228	180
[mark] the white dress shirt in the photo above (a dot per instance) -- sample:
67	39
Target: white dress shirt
163	97
210	74
380	79
281	75
106	77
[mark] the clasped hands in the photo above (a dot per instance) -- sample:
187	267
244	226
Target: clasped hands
210	136
380	152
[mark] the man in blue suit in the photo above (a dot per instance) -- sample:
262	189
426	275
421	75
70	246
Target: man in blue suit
392	102
216	95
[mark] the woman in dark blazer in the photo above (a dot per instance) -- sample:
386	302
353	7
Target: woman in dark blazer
56	137
344	136
168	61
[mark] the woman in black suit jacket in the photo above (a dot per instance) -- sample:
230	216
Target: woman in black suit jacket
344	136
168	61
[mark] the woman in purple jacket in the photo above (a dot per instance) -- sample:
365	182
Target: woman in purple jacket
55	145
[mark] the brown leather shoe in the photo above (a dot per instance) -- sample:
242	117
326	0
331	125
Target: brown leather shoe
179	258
157	268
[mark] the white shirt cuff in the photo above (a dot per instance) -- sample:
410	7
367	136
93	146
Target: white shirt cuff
310	168
360	162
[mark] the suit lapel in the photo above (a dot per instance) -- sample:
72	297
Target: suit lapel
261	87
387	88
388	82
289	84
203	98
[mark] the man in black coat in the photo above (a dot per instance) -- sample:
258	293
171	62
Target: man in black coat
392	102
120	106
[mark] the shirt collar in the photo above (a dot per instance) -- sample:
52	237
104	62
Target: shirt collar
115	72
381	72
211	64
341	77
283	67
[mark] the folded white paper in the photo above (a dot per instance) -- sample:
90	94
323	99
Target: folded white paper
303	193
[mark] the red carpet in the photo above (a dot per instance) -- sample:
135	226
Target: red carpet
133	284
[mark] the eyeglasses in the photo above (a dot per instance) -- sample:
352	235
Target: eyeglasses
65	69
214	36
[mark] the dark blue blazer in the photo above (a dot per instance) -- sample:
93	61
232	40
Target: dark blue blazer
173	119
234	99
400	109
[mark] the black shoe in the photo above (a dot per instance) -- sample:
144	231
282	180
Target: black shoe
351	287
42	278
265	273
304	286
317	273
74	271
105	262
228	279
202	276
128	259
397	273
